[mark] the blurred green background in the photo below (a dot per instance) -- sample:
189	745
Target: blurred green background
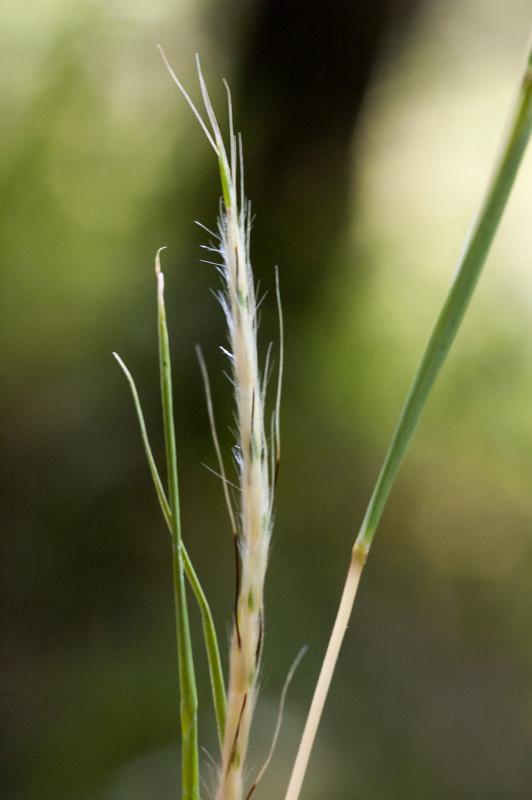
370	130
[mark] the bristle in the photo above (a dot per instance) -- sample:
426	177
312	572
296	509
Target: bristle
278	723
188	99
232	138
214	433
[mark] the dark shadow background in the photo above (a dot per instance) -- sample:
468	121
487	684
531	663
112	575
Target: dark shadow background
369	130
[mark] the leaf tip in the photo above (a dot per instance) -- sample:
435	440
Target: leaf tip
158	260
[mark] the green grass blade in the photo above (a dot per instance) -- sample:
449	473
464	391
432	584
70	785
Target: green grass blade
211	646
159	489
209	631
455	306
187	677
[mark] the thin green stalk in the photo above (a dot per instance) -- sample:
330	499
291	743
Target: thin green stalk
209	631
187	678
455	306
469	268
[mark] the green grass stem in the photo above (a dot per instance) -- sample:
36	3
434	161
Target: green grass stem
187	678
468	272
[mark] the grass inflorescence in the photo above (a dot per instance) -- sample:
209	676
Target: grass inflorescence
257	455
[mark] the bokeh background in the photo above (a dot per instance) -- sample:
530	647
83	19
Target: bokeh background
370	130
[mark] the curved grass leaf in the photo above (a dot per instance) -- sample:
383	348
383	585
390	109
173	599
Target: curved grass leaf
209	631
